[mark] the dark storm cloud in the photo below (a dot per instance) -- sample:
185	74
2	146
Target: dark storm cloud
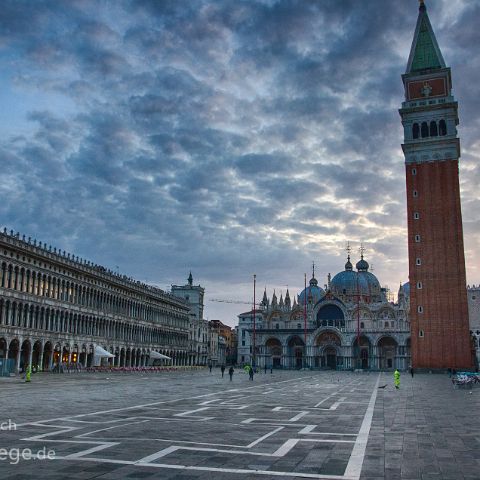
220	136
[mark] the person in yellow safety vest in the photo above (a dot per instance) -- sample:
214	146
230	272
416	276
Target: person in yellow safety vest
28	373
396	378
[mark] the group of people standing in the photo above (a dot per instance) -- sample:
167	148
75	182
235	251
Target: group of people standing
248	369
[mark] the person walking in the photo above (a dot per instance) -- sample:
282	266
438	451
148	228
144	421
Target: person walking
222	369
28	374
250	373
210	367
411	371
396	378
230	372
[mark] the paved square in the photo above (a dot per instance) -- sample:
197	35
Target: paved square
198	425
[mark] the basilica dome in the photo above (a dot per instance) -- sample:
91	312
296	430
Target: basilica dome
349	283
312	290
374	288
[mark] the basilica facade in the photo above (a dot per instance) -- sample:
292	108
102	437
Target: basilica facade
349	324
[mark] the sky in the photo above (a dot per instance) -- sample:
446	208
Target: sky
226	138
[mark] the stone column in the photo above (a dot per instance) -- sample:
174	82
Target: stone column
30	355
19	356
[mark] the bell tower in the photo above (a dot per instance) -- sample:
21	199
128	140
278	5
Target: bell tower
438	295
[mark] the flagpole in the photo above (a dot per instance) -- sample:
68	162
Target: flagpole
254	326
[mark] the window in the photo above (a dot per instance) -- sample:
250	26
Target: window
442	128
362	325
424	129
415	130
416	216
420	309
386	324
414	171
418	261
421	334
243	343
419	285
433	129
415	193
277	326
243	358
299	325
417	238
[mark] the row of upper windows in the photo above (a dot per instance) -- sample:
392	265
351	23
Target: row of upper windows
30	316
36	283
425	130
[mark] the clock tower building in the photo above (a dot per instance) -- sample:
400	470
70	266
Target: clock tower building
438	295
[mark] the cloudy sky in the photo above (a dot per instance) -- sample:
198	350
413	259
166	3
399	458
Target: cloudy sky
223	137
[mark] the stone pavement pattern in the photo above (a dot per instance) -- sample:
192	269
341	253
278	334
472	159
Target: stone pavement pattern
196	425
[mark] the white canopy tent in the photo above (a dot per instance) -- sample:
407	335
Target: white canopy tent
154	358
158	356
100	353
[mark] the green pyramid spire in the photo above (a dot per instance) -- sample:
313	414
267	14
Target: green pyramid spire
425	53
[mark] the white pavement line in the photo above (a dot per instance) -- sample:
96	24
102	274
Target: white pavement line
334	393
210	401
272	473
335	405
273	432
298	416
159	454
52	434
308	430
354	466
111	428
184	414
286	447
91	450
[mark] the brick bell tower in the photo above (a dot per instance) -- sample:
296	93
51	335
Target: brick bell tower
438	293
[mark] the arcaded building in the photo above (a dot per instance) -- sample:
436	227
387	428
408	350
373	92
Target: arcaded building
351	324
57	308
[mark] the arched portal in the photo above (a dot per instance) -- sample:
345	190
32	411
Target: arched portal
327	344
295	352
47	356
3	348
37	355
13	351
273	349
387	351
362	352
57	355
74	357
25	355
66	354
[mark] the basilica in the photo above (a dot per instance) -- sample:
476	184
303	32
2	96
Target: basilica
349	324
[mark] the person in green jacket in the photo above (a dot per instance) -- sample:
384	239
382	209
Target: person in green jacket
396	378
28	373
